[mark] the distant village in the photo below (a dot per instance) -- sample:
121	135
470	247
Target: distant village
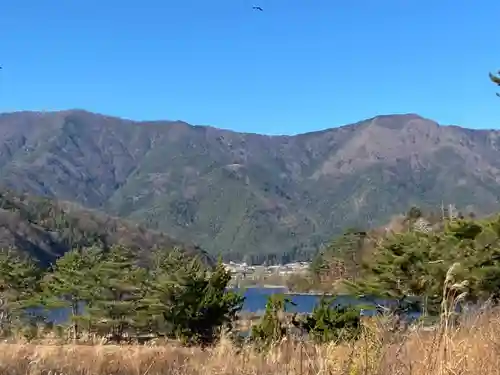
264	276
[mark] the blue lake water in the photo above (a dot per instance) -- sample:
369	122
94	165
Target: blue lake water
256	298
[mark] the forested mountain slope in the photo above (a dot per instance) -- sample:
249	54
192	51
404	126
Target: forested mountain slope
249	193
46	229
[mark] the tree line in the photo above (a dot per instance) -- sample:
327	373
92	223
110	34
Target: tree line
108	293
416	258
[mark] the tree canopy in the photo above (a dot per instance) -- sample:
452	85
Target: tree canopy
108	292
416	263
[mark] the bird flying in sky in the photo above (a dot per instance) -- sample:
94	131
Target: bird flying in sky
258	8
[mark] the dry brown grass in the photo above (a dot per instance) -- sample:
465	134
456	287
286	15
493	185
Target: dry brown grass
473	348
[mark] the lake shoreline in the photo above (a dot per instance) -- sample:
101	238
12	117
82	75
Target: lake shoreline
314	294
283	289
266	286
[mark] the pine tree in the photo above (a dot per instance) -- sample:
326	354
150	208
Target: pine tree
118	294
71	283
327	323
218	306
166	270
19	279
341	259
484	264
191	303
416	263
408	264
271	328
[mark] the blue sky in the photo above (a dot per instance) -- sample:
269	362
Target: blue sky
298	66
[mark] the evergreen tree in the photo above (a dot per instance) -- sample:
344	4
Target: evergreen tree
409	264
192	303
416	263
484	263
167	271
119	291
327	323
414	213
71	283
342	258
271	328
19	278
317	265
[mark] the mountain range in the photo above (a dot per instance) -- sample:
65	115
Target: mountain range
246	194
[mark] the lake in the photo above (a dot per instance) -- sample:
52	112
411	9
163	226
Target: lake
256	298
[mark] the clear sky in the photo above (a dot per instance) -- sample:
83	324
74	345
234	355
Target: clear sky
301	65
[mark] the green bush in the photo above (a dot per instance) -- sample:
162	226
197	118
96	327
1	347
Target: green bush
327	323
272	327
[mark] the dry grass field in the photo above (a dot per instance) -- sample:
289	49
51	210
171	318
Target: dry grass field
471	348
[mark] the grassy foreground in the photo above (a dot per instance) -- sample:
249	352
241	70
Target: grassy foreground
471	348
